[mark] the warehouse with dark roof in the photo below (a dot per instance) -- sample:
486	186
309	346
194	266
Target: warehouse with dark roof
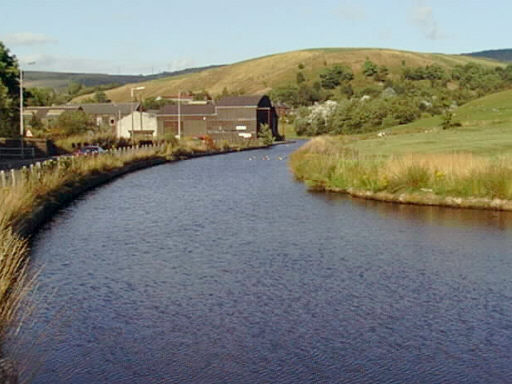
232	117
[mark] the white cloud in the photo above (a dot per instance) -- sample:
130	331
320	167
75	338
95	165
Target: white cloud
423	18
58	63
27	38
351	11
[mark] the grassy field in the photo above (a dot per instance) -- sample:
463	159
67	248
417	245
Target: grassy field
486	130
467	166
260	75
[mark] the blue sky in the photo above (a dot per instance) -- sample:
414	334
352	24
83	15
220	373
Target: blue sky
132	37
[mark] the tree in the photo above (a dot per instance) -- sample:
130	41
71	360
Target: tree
153	103
382	74
434	73
417	73
36	123
369	68
265	134
9	92
330	78
74	88
447	120
101	97
286	94
300	78
41	97
71	123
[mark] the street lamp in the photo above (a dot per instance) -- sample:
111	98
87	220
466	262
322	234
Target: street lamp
22	128
179	115
132	94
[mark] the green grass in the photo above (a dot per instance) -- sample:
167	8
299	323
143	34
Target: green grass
486	130
420	162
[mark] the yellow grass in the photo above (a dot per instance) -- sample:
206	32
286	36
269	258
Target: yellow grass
324	163
260	75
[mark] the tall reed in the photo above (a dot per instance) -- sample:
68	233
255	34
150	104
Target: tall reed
324	163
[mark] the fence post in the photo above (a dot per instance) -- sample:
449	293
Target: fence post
3	178
13	177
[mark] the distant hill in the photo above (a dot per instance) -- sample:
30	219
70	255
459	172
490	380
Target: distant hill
60	80
496	54
260	75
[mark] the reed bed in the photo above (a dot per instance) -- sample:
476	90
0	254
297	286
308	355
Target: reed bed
324	163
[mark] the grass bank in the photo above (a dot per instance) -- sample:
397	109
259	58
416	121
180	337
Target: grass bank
453	179
34	195
469	165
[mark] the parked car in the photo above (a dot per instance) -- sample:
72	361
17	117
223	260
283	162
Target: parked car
89	150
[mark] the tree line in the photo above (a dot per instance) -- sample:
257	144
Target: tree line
385	100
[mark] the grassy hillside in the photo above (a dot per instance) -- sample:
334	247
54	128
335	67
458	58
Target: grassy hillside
496	54
60	80
486	129
262	74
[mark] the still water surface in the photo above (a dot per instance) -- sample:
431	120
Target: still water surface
225	270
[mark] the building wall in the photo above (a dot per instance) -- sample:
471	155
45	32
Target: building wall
234	122
190	125
236	113
124	126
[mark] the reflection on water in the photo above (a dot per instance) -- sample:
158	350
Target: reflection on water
224	269
451	217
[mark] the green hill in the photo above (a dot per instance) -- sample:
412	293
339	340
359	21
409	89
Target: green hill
260	75
486	128
496	54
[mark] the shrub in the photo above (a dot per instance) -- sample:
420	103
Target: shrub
71	123
265	134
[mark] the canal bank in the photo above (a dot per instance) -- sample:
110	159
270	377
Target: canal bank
456	180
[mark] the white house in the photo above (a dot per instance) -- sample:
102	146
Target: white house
142	124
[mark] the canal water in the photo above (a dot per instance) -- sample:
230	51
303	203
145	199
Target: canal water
226	270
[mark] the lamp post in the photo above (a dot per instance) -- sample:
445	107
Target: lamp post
22	128
179	115
132	93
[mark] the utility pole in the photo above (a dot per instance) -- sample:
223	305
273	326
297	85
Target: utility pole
22	130
22	127
179	115
133	104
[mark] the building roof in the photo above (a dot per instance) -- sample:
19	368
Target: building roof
53	111
188	109
109	108
239	101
